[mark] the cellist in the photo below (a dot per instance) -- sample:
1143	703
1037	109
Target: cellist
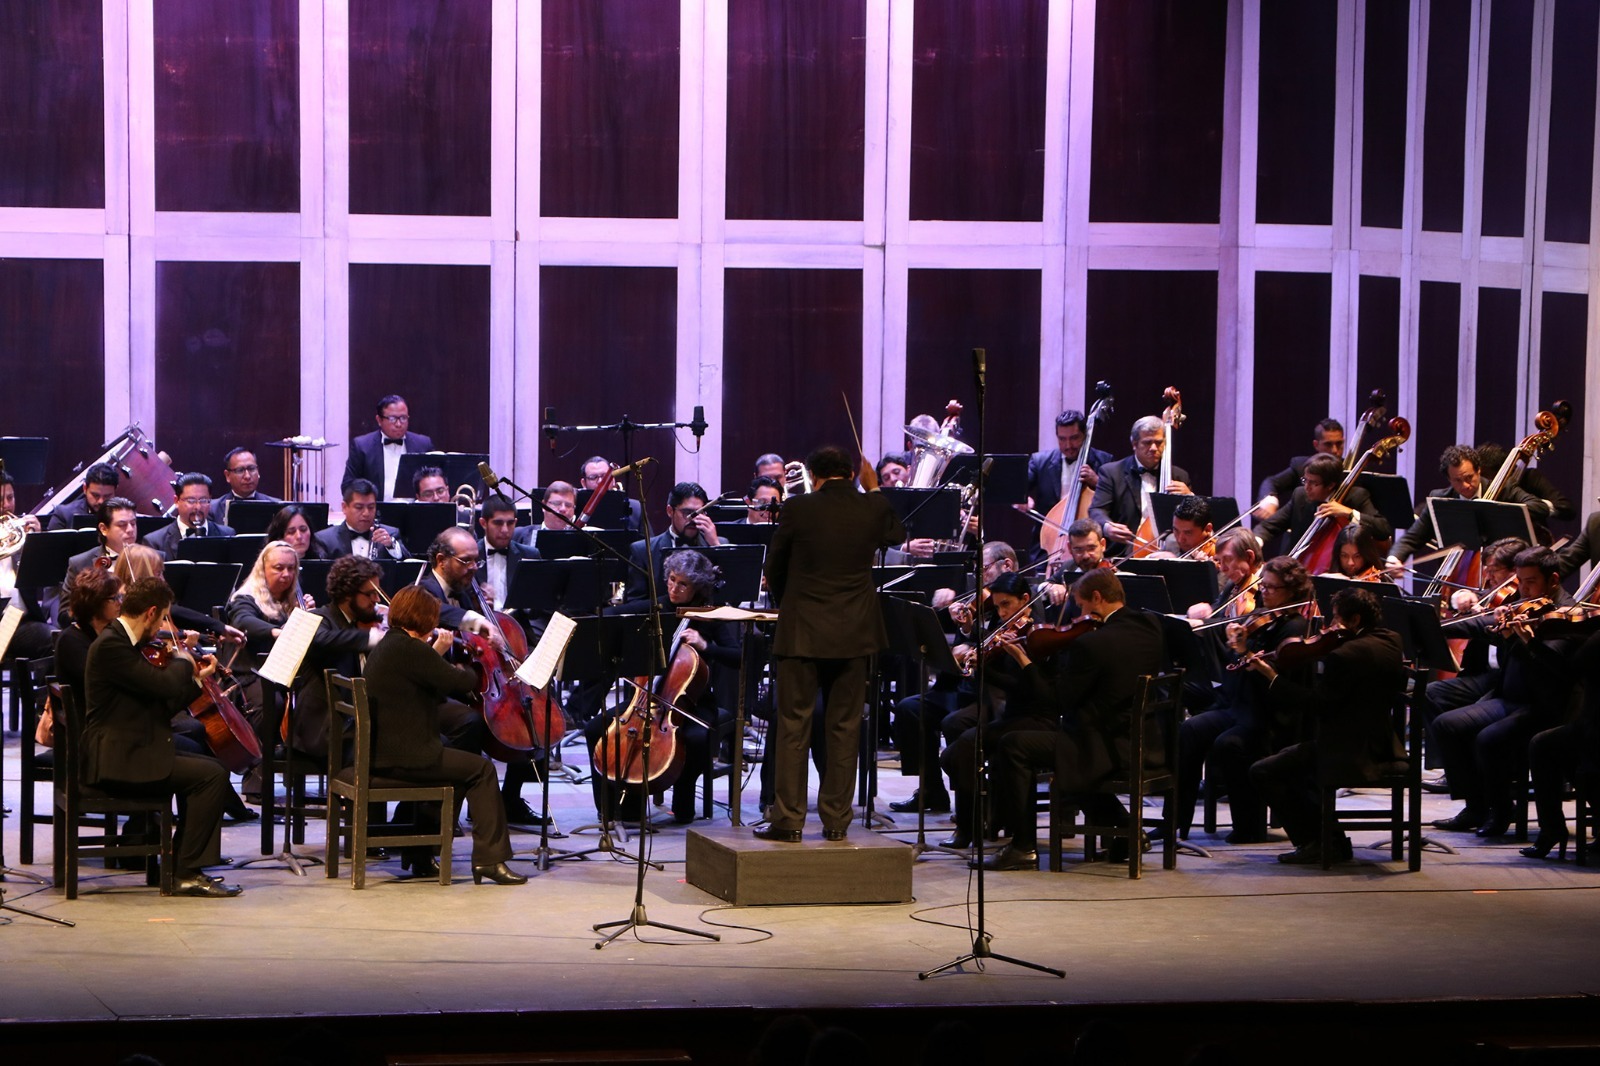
690	579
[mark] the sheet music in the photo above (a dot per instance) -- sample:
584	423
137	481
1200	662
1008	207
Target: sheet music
741	614
538	668
289	650
8	626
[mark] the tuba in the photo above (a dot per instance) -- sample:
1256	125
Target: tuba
932	449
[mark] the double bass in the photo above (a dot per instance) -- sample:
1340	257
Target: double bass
1147	539
1314	550
1075	504
619	755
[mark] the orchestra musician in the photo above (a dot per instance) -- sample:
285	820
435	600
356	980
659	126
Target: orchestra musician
1055	472
1584	548
893	470
1094	692
375	457
360	533
1566	753
33	636
1314	499
119	530
1463	468
1327	438
99	487
561	499
689	526
761	501
128	745
1480	741
290	525
407	679
1191	528
243	475
428	485
1357	555
1531	480
1244	726
819	570
498	547
1347	711
350	629
770	464
591	474
1122	498
260	608
194	517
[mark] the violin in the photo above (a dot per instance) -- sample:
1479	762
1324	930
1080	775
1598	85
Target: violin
619	753
1296	652
229	734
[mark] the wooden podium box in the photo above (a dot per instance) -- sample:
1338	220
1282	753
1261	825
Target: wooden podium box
731	864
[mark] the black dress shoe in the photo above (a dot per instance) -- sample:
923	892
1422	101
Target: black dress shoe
1241	836
420	866
958	839
1011	858
499	873
243	814
1541	847
834	834
938	803
518	813
201	885
1311	854
1464	821
781	836
1495	825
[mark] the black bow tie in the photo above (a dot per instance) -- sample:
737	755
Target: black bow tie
1150	470
390	440
194	531
499	551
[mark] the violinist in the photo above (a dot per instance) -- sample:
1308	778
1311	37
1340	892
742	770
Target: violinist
1244	726
1191	530
1480	742
689	526
1314	499
1238	562
290	525
407	679
94	599
350	629
1357	555
263	603
1013	698
1122	498
138	561
128	746
1095	693
1327	438
690	580
1347	709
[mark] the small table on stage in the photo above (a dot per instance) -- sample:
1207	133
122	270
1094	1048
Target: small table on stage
746	619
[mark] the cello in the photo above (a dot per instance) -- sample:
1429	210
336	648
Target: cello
619	755
229	734
1315	548
519	721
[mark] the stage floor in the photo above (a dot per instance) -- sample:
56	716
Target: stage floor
1481	925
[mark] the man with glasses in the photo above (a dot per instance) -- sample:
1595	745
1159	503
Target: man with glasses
243	475
689	526
1314	499
194	517
594	469
360	534
375	456
348	632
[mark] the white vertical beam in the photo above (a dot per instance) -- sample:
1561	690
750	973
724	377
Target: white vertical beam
329	410
1063	191
1405	399
886	186
1344	276
1472	223
1235	421
1591	414
525	208
114	34
1534	207
312	118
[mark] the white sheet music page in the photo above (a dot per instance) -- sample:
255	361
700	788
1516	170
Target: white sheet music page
294	639
8	626
538	668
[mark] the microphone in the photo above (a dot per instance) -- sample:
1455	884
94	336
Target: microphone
980	364
697	424
623	471
491	480
550	426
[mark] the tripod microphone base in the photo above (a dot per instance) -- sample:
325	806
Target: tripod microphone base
982	952
639	920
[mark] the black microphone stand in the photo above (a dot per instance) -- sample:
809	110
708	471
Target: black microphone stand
981	951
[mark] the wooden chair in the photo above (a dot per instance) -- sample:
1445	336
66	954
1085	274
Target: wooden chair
281	761
1403	780
30	681
1160	699
351	787
74	800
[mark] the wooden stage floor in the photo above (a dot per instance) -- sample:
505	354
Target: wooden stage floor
1484	926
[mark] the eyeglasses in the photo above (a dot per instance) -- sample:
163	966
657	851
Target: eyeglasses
1273	588
466	560
244	470
396	419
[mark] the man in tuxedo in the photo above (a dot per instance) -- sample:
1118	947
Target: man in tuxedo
118	528
1122	498
1054	472
1585	548
429	485
819	570
1327	438
194	517
99	485
243	475
349	630
1463	467
1349	707
498	548
593	470
1314	499
127	736
689	525
33	638
1096	693
375	457
360	533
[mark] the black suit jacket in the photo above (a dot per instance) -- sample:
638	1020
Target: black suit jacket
1584	548
1297	517
1350	705
636	597
1118	498
819	571
520	551
61	517
1284	482
452	608
1422	534
366	460
334	542
1096	691
1044	476
83	560
127	735
338	644
165	540
406	682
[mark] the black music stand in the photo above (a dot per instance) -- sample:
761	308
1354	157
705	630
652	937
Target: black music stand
926	513
418	523
1473	524
314	578
398	573
1146	592
544	586
915	632
1391	495
920	582
201	586
460	468
566	543
241	549
1189	581
253	516
1224	509
741	571
42	563
747	533
610	513
1006	483
25	458
1326	586
148	523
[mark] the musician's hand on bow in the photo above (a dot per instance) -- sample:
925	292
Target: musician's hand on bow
1266	508
961	614
1055	593
205	665
442	639
1118	531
